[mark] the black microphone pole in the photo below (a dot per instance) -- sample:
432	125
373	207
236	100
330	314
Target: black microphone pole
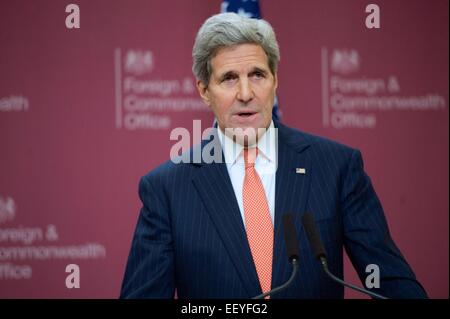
319	252
290	237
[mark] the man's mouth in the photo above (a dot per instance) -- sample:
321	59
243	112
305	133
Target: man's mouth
245	118
246	114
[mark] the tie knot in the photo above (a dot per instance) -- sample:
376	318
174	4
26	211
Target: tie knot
250	155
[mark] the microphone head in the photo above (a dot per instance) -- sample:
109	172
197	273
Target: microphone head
290	237
313	235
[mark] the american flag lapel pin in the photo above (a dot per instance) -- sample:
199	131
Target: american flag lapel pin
300	170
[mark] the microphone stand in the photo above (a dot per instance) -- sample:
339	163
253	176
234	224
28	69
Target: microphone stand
294	263
324	263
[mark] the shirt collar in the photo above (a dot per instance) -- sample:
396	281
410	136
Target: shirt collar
266	146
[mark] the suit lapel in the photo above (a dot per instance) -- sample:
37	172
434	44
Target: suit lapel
291	194
216	191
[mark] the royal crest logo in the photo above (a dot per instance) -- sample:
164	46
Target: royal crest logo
7	209
139	62
345	61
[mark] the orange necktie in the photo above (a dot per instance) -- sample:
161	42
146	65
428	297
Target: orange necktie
257	220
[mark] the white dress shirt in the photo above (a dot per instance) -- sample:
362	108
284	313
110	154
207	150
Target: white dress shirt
265	165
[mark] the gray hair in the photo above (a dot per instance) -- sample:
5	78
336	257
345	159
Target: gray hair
226	30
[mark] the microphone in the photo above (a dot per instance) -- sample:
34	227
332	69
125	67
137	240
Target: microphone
290	238
319	252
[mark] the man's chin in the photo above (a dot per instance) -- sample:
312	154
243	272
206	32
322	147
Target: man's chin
245	135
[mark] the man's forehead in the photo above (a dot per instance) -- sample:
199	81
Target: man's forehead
234	58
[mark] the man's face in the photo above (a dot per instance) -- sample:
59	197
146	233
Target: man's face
241	89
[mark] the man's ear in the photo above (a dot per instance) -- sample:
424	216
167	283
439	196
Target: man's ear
203	91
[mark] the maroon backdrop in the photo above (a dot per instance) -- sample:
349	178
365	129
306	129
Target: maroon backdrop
85	112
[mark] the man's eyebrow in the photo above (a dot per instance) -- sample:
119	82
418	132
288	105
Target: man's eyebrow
227	73
258	69
234	73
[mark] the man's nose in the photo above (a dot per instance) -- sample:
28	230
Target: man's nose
245	93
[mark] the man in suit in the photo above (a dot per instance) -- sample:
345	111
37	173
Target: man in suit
213	229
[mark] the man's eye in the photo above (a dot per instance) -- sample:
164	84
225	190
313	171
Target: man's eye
228	78
258	75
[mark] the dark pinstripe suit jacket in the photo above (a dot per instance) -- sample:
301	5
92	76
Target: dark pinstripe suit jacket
190	235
